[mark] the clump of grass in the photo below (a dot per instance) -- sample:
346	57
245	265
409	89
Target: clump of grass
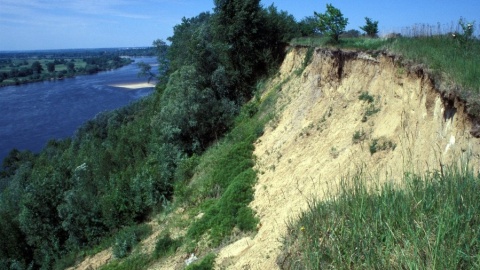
371	109
166	245
358	136
381	144
128	238
134	262
365	96
206	263
431	223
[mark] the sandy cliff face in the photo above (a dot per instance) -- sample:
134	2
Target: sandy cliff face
310	145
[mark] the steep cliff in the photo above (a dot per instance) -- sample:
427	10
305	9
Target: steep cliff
343	112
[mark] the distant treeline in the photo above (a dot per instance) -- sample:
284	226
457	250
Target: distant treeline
78	53
32	66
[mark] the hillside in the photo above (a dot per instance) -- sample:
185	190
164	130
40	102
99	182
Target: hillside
310	145
337	113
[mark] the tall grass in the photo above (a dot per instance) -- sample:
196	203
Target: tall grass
453	59
360	43
433	222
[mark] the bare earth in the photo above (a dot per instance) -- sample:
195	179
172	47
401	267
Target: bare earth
309	148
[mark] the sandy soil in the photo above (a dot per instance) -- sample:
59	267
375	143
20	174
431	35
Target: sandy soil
309	148
134	86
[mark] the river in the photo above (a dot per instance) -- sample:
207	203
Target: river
32	114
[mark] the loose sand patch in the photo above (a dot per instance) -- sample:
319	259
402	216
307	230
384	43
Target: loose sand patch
134	86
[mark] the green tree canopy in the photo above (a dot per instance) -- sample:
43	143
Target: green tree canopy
51	67
370	27
37	67
331	23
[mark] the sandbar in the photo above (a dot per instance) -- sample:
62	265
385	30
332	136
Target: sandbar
134	85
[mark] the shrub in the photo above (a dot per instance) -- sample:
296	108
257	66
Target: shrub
365	96
358	136
128	238
166	245
381	144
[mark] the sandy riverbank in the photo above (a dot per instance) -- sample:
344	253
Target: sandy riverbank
134	86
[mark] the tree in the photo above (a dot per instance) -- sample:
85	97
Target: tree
332	23
71	67
237	26
370	27
161	49
51	67
308	26
145	71
37	67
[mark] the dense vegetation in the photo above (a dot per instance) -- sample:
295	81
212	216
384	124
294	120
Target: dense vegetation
122	166
32	66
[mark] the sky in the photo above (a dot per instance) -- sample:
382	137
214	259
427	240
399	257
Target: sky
68	24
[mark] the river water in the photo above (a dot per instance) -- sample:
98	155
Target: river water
32	114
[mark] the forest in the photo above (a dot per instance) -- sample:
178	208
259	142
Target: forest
124	166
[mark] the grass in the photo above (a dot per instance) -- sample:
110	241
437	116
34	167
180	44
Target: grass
432	222
453	61
448	57
345	43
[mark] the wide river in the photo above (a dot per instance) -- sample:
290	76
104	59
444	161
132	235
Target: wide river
32	114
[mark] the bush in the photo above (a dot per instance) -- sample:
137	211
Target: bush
128	238
166	245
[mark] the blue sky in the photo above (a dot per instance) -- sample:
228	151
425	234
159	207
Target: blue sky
61	24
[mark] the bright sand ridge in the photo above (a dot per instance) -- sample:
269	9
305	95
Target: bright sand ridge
134	86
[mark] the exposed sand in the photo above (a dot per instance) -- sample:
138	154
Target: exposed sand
308	148
134	86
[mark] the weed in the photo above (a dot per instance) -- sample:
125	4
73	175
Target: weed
358	136
381	144
334	152
364	96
